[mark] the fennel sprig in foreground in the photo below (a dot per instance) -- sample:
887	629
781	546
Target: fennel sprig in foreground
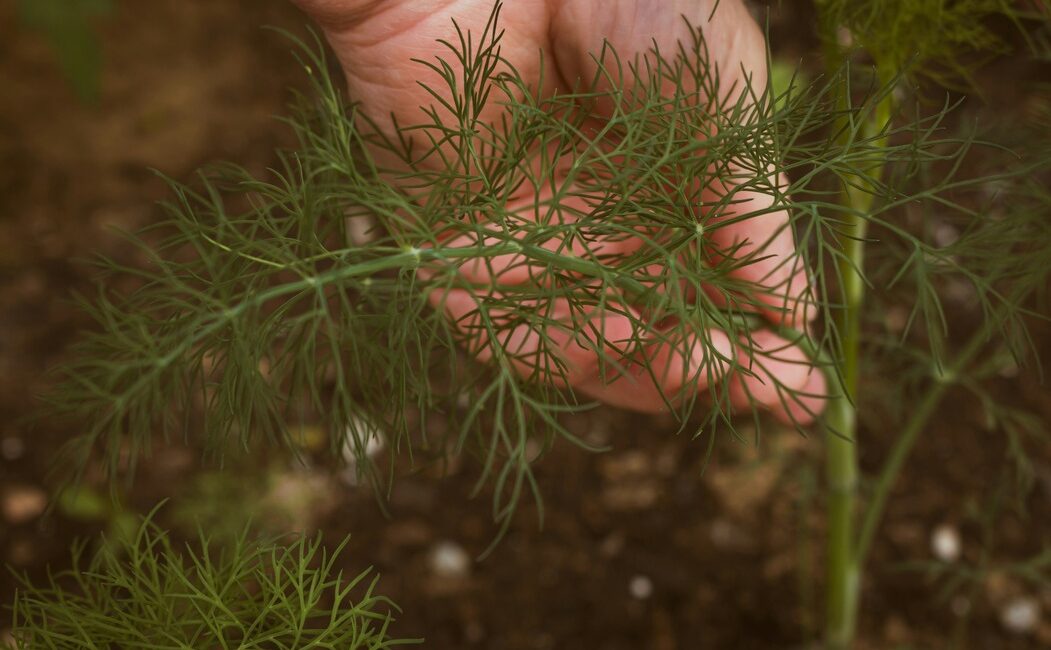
155	595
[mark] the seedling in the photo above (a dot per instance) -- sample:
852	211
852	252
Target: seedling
251	593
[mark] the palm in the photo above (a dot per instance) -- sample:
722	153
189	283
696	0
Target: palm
376	41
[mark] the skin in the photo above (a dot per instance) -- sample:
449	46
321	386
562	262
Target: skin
375	41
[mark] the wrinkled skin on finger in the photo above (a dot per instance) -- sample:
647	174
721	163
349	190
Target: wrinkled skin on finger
376	42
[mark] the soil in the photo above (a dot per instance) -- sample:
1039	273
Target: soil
639	547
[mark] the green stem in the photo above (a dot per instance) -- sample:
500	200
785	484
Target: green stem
843	579
906	441
843	575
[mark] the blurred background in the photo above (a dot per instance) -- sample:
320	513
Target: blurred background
639	548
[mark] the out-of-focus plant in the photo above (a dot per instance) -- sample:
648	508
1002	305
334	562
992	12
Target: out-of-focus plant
1001	252
68	27
156	595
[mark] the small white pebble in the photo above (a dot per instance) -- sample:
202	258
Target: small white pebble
946	235
533	449
946	544
640	587
994	189
725	534
896	318
449	560
844	37
1020	615
598	434
12	448
23	503
1009	370
463	401
961	291
374	445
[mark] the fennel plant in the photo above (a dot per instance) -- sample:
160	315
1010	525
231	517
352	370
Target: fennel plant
311	292
906	42
250	593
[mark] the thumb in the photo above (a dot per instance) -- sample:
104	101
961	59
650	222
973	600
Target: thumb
337	15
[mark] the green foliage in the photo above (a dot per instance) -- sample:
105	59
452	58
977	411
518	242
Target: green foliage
261	304
67	25
937	40
248	594
316	293
934	38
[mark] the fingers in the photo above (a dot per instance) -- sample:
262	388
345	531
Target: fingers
604	354
758	241
527	219
599	352
610	354
754	239
547	340
665	372
779	377
340	14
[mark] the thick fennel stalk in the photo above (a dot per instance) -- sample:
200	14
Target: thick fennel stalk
843	570
841	460
842	455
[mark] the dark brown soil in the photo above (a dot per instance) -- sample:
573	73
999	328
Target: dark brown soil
639	548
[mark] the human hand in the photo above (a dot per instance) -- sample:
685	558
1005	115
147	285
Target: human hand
376	40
